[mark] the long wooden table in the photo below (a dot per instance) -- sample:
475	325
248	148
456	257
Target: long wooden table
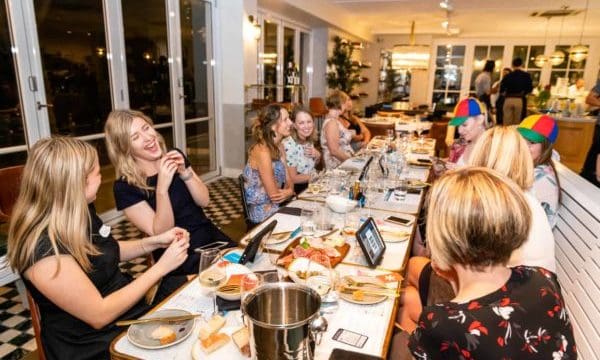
376	321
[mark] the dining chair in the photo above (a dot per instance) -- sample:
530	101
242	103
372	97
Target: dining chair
249	224
318	110
10	178
438	132
36	323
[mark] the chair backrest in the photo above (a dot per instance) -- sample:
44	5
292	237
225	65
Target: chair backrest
10	178
36	323
577	248
438	131
241	181
317	106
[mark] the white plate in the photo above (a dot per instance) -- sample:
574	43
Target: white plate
140	334
301	264
233	269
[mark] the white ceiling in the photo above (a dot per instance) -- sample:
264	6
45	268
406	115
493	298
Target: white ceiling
490	18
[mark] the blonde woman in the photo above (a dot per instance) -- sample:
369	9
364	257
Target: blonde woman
158	189
476	219
504	150
267	180
68	259
336	137
470	116
300	151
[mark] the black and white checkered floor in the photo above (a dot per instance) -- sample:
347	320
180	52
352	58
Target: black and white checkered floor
16	333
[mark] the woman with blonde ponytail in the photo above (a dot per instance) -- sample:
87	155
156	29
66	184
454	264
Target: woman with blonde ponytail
267	180
68	259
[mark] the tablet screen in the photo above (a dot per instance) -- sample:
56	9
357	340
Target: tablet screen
371	242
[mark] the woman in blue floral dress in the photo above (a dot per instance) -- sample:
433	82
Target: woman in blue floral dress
300	151
267	182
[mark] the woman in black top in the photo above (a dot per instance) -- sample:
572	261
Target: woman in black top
157	189
69	261
476	218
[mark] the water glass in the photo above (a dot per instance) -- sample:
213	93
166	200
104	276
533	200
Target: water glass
271	277
322	218
314	186
401	190
307	221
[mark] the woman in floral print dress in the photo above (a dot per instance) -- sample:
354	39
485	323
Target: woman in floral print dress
476	218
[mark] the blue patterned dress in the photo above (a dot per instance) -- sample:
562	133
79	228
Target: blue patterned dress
259	204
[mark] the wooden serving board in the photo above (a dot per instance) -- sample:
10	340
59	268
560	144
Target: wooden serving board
343	250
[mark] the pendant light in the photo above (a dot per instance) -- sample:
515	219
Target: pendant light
557	57
410	56
542	59
580	52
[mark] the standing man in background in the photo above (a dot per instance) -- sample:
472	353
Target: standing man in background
515	86
483	85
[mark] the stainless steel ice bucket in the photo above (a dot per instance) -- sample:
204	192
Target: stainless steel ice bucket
284	321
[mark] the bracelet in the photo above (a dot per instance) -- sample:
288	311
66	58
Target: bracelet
189	175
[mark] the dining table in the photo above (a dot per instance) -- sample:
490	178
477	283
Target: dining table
375	321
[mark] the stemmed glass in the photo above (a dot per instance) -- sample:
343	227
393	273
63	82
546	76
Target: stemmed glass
248	283
211	275
314	185
322	278
273	257
420	127
307	221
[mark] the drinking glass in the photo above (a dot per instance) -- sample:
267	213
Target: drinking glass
273	257
420	129
314	185
211	275
401	190
271	277
322	278
248	283
307	221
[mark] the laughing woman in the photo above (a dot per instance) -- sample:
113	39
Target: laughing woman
68	259
267	181
157	189
300	151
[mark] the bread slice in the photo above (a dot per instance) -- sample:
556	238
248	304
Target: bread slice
164	334
214	341
214	325
241	338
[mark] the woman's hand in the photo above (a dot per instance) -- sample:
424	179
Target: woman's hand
311	152
165	239
168	167
179	160
174	256
281	195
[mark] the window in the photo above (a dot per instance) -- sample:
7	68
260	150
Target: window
481	55
568	69
449	65
527	53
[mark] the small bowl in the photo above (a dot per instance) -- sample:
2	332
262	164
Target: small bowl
340	204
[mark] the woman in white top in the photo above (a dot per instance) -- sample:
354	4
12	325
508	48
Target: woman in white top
300	151
335	136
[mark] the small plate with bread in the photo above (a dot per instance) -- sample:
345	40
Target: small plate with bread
157	335
215	341
231	289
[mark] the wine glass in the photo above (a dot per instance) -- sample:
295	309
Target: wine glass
420	128
322	278
273	257
211	275
314	185
248	283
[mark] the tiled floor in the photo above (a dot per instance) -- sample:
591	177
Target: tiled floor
16	333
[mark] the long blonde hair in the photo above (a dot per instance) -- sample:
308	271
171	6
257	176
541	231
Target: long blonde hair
503	149
52	199
118	144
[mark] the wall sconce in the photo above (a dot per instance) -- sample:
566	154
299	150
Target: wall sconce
257	31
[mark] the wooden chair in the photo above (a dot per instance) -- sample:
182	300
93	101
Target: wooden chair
438	132
249	223
10	178
318	110
36	323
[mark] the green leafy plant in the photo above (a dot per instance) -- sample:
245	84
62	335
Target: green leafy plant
343	75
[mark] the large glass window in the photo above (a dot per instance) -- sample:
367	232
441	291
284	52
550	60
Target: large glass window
449	64
481	55
73	52
268	59
12	132
568	70
147	53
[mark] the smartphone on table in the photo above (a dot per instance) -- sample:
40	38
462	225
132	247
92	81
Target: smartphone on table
399	220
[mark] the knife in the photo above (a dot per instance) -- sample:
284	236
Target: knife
155	319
